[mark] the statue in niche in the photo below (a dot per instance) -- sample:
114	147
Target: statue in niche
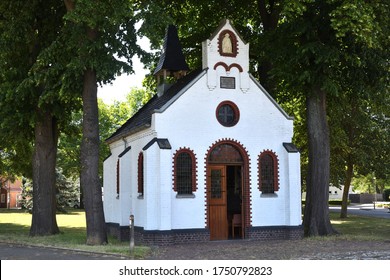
227	46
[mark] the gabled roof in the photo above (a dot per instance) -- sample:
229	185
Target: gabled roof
172	57
143	118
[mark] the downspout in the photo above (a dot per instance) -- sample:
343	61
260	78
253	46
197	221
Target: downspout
125	142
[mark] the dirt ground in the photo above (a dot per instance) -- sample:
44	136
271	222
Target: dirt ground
309	249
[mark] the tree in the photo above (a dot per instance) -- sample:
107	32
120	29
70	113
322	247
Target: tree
318	54
100	30
51	52
358	116
30	109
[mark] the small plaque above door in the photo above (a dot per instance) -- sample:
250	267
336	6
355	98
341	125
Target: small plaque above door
228	82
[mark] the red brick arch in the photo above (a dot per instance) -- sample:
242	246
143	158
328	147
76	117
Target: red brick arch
245	163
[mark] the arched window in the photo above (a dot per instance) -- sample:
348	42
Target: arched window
268	172
184	167
141	173
117	177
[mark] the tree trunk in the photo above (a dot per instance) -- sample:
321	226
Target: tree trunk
91	191
347	185
89	177
316	215
44	176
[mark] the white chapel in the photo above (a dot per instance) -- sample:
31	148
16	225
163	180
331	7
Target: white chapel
209	157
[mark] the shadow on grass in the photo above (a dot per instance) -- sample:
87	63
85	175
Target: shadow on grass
69	237
360	227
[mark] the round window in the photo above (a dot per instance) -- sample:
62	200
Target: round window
227	113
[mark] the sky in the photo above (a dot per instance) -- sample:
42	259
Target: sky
122	85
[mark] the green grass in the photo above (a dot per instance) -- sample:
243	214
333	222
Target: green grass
15	226
361	227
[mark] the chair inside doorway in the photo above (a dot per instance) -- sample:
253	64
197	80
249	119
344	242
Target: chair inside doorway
236	224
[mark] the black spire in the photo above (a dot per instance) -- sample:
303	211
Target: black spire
172	60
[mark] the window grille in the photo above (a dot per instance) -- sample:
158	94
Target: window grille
141	173
268	173
216	184
117	177
184	166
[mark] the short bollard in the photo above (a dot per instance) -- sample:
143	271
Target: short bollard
132	235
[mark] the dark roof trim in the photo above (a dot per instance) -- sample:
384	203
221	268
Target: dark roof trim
290	148
107	157
124	152
162	143
270	98
135	129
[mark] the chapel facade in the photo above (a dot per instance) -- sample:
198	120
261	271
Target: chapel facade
209	157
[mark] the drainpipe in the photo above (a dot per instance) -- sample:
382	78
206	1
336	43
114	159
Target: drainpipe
124	141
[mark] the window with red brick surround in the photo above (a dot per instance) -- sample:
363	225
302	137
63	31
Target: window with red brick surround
268	172
141	173
184	172
117	177
227	113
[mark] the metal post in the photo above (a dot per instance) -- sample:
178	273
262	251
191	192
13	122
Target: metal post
374	183
131	235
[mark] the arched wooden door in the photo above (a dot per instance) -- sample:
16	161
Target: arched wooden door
221	159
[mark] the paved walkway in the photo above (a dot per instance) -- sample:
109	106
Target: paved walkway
29	252
364	210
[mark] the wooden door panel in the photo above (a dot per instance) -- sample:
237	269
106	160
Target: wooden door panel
218	222
217	202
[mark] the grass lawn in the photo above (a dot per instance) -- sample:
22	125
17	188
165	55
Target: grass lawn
15	226
361	227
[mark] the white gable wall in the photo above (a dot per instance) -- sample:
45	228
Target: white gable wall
191	122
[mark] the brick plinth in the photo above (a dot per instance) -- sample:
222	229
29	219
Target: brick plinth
169	237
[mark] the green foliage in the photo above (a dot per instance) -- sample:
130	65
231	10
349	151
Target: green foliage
355	18
386	194
111	117
67	193
110	52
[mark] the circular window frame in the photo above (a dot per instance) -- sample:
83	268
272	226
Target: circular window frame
236	113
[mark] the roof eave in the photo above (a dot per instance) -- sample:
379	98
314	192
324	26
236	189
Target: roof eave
127	133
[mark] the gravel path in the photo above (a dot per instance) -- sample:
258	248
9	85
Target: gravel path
311	249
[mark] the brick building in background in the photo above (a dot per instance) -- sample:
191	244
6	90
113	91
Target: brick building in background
10	193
